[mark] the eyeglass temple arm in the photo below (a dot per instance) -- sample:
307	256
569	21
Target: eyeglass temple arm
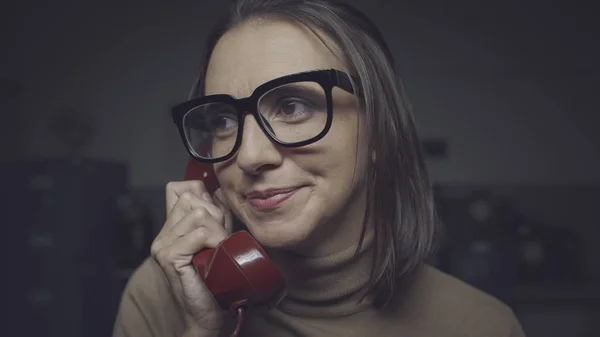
343	82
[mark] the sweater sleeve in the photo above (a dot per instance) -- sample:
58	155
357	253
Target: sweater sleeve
147	307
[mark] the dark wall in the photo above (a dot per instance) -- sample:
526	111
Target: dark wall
508	86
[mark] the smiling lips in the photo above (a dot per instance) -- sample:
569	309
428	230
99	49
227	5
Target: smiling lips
269	199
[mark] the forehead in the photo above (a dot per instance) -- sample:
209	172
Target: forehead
258	51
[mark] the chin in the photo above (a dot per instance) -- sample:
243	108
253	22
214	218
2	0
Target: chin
283	234
284	227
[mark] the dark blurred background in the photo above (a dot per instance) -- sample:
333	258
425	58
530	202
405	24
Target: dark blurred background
505	99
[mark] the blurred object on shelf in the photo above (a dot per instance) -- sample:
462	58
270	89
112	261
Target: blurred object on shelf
479	245
548	255
492	245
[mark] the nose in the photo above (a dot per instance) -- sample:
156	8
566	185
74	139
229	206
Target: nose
257	152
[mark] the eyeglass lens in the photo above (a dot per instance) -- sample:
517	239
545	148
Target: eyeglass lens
291	113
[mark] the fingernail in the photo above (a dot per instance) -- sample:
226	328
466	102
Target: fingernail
206	196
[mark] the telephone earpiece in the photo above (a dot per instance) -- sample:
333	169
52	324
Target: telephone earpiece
197	170
238	272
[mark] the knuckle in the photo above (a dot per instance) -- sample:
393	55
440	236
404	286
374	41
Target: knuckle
201	234
171	185
171	219
155	249
187	197
197	184
168	255
200	213
219	216
165	256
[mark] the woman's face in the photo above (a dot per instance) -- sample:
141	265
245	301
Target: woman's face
320	207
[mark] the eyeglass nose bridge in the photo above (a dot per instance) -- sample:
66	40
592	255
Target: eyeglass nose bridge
247	106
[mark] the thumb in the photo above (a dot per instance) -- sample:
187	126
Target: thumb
220	201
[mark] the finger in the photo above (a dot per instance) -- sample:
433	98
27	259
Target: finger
199	217
176	255
188	203
175	189
221	202
177	268
184	248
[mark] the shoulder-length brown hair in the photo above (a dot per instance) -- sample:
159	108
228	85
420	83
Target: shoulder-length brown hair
399	192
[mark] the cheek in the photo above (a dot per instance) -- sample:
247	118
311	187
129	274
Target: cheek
343	140
228	176
340	164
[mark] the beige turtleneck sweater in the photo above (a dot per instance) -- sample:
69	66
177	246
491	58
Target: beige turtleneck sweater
322	301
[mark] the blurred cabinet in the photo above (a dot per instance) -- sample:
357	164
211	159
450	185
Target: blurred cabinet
59	258
10	118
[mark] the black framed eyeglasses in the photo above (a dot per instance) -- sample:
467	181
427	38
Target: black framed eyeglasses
293	111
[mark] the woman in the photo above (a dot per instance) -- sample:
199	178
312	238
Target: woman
334	187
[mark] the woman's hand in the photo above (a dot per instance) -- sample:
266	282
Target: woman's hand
195	221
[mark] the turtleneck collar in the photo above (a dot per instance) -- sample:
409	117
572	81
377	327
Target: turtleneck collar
330	286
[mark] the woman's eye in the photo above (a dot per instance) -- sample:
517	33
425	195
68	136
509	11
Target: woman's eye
293	108
223	122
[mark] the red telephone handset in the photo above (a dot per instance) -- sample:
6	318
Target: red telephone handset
237	272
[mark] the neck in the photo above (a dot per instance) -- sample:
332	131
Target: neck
326	286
